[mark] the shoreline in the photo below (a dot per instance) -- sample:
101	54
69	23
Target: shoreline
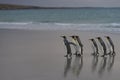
57	30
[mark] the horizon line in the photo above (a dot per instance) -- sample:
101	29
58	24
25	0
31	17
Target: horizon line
54	7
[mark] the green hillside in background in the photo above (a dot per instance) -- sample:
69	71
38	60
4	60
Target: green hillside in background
11	6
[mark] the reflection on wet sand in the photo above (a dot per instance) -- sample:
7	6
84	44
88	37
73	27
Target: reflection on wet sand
76	67
110	63
102	66
105	62
94	63
67	66
99	65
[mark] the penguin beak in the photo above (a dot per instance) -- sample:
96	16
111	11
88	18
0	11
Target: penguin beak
96	37
62	36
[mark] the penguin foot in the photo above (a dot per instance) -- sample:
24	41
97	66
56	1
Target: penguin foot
78	54
95	54
104	55
113	54
109	53
68	56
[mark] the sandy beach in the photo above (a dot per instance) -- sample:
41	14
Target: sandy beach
39	55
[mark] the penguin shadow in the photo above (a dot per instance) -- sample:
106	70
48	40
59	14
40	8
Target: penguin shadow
73	67
77	65
94	63
110	62
67	66
106	63
102	66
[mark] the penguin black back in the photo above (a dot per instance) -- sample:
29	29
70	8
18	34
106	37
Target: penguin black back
103	45
67	44
79	41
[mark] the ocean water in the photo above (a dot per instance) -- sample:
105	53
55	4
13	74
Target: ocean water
107	19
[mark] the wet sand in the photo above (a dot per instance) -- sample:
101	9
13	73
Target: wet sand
39	55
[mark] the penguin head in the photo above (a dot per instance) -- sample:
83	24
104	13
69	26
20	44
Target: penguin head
77	36
72	37
91	39
107	37
63	36
98	38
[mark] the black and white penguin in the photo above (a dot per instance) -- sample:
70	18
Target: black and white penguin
111	45
103	46
95	46
67	44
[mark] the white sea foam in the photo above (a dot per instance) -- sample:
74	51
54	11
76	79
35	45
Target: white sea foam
60	26
15	23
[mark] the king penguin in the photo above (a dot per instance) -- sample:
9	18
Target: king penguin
103	46
74	40
80	44
111	45
67	44
95	47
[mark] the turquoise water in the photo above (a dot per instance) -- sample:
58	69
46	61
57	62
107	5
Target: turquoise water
84	18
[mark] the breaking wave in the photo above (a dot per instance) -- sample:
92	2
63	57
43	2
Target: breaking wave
60	26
